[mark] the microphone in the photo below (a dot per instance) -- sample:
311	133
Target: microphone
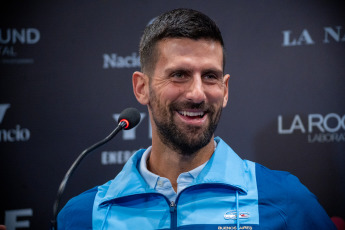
128	119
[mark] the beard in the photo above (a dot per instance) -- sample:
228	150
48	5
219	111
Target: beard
189	139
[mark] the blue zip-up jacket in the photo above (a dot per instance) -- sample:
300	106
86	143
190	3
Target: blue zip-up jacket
229	193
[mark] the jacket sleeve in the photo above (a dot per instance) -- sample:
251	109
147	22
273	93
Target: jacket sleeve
285	203
302	207
77	213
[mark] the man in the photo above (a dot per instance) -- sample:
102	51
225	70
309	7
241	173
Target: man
188	179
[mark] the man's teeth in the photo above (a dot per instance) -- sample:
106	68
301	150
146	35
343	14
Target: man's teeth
192	114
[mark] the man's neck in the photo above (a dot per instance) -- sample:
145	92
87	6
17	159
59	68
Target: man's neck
168	163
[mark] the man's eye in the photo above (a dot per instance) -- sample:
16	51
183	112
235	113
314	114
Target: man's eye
178	75
210	76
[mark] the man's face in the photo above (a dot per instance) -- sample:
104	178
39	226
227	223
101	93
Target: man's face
187	92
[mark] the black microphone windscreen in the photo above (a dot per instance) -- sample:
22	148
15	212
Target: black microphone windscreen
132	115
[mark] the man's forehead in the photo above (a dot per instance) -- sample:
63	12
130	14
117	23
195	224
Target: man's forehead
186	41
201	49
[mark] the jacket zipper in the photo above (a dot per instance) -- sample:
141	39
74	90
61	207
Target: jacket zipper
172	207
173	214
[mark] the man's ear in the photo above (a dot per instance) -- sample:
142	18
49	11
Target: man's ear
140	83
226	89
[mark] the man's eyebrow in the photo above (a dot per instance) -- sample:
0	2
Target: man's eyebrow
178	69
212	70
190	70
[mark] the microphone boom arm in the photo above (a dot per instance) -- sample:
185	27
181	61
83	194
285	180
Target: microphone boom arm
75	164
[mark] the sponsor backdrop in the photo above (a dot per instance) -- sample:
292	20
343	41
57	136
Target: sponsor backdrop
66	75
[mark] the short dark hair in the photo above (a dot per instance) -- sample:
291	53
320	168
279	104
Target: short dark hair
178	23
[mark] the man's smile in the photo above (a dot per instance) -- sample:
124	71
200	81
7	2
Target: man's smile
194	118
192	114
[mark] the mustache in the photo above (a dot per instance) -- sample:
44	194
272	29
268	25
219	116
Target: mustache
190	105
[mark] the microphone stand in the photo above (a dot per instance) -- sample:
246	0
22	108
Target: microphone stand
75	164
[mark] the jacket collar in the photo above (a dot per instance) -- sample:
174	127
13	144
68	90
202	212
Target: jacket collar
224	167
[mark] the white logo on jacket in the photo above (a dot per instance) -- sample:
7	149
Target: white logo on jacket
232	215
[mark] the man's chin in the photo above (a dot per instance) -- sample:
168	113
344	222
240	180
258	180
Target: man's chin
189	144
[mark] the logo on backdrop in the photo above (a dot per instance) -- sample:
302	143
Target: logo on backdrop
304	37
318	128
3	109
116	61
120	157
15	134
19	218
12	40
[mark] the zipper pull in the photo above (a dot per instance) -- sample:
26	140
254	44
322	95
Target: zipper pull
172	206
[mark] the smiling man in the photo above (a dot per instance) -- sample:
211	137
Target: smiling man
189	179
185	95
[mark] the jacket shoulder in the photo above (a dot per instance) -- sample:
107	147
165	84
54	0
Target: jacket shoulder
77	213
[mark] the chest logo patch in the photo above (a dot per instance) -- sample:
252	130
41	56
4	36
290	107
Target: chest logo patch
232	215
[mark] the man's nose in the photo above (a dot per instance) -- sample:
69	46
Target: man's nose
196	91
